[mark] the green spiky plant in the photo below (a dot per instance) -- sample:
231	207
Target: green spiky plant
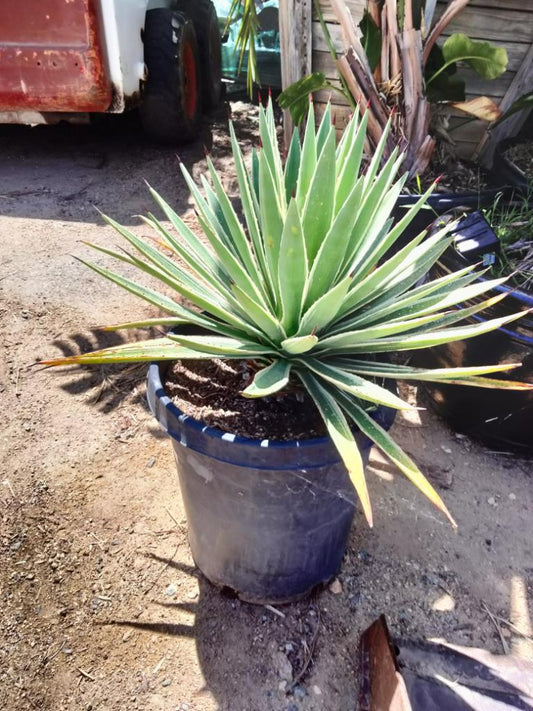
300	287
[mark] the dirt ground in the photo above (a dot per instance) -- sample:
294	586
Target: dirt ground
101	605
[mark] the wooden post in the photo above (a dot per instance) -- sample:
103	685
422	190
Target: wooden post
295	18
521	84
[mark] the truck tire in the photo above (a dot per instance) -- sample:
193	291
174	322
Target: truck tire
170	107
205	21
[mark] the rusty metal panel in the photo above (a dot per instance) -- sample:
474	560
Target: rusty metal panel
51	56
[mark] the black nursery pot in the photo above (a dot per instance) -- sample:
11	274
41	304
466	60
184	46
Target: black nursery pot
269	520
501	419
440	203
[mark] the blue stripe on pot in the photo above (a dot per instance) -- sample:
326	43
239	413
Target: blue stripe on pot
268	519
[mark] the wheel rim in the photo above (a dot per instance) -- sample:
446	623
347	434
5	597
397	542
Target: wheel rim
190	81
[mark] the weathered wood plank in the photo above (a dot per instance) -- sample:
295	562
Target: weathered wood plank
295	18
516	51
522	83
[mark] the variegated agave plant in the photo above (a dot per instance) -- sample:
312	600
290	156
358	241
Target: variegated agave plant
299	287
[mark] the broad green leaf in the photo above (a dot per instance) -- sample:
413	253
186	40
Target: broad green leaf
292	269
320	201
371	39
299	344
342	438
487	60
295	98
269	380
388	446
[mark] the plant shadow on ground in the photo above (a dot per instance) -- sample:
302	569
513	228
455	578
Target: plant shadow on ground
109	385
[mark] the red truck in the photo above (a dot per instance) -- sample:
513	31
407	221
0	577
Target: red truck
68	59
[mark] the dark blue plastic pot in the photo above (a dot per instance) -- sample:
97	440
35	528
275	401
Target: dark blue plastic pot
269	520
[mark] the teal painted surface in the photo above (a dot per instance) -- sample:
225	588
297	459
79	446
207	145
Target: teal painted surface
268	46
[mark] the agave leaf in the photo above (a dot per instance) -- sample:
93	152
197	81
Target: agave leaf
372	216
333	249
453	376
214	275
193	243
324	129
345	338
361	388
308	159
410	303
299	344
251	210
271	220
153	297
222	346
292	269
349	165
261	317
324	310
318	208
147	323
450	296
441	320
416	341
235	230
388	446
413	267
269	140
381	247
342	437
211	228
292	166
269	380
153	350
374	164
166	269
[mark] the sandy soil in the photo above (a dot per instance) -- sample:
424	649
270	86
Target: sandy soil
101	605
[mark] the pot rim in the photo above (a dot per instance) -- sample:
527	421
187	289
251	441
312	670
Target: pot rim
154	374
